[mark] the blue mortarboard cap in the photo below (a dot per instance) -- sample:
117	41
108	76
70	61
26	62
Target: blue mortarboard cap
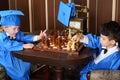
10	17
73	12
64	13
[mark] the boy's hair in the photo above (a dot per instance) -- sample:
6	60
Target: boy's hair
112	30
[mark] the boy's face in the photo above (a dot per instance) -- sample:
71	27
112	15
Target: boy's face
106	42
12	30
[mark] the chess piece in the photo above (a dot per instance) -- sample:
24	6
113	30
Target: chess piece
51	39
77	45
69	34
64	40
58	42
65	37
58	33
69	46
65	33
46	43
73	47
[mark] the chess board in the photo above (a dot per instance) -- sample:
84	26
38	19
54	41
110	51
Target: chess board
57	43
55	50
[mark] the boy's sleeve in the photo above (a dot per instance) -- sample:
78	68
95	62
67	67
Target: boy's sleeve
27	38
85	40
92	41
35	38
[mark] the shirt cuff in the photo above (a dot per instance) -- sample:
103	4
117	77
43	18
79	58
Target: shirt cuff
85	40
35	38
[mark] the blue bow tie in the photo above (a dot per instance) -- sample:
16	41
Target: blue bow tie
105	50
11	38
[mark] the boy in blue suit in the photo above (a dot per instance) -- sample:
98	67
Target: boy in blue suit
10	22
108	44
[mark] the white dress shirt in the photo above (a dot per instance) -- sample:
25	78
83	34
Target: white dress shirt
109	52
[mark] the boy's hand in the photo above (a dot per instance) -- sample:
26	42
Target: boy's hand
77	37
42	34
28	46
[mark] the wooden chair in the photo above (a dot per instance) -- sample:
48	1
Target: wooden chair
3	75
40	73
104	75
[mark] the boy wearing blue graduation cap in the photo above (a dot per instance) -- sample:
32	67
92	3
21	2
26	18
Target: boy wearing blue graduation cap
108	45
10	22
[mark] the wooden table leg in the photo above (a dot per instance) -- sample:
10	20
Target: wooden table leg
58	73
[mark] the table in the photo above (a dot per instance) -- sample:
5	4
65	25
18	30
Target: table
57	59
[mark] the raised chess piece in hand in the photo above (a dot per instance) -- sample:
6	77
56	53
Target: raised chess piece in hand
77	37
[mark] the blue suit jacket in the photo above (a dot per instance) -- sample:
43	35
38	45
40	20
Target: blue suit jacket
15	68
112	62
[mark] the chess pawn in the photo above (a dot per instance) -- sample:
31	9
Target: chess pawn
69	46
73	46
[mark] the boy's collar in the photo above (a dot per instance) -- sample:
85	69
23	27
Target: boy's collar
114	47
10	36
7	34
